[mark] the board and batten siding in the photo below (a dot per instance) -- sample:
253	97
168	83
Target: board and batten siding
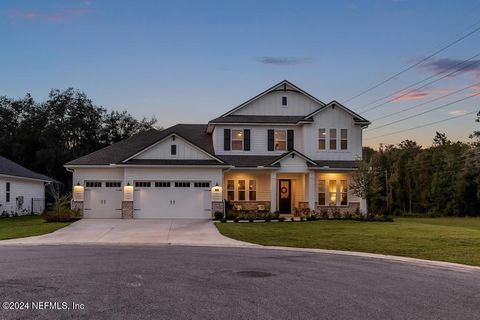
333	119
163	151
258	139
213	175
80	175
29	189
271	104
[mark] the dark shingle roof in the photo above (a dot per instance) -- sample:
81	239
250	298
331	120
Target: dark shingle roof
337	164
116	153
10	168
259	119
170	162
247	161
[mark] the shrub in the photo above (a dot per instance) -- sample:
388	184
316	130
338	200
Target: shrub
218	215
223	220
281	219
236	219
61	212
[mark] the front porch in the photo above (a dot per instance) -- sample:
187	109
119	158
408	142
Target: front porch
291	193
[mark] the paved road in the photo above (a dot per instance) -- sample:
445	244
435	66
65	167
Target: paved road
175	282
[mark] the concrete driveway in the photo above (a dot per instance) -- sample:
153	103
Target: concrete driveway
145	231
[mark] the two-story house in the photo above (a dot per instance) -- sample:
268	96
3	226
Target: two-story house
282	149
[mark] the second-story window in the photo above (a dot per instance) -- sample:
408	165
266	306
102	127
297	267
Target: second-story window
322	137
281	140
284	101
173	149
343	139
333	139
237	139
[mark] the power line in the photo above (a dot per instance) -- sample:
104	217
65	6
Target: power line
427	102
413	65
412	85
427	84
425	125
424	112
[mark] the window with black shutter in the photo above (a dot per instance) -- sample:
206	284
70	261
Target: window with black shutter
289	140
246	139
271	140
226	139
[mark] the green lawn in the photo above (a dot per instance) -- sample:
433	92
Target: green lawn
445	239
26	226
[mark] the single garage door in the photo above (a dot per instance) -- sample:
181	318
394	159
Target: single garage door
103	199
172	199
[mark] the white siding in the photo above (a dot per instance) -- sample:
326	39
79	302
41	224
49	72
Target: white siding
163	151
258	139
271	104
80	175
29	189
213	175
333	119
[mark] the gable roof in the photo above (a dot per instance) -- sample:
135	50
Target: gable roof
293	152
118	152
356	117
10	168
282	85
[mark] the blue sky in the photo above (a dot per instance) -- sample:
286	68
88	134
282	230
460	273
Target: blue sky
190	61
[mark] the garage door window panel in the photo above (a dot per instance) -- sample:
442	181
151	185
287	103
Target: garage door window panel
113	184
182	184
162	184
201	184
143	184
93	184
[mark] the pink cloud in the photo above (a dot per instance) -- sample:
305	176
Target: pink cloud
407	95
65	14
415	94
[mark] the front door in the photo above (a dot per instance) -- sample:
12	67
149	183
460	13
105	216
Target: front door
285	196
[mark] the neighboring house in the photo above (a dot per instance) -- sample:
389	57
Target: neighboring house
281	150
22	191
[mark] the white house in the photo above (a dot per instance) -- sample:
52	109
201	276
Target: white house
22	191
282	149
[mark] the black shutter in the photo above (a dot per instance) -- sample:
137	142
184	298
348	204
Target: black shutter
246	139
289	140
226	139
271	140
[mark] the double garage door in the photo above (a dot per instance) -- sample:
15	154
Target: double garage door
152	199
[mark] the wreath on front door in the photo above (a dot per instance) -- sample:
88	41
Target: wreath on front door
284	189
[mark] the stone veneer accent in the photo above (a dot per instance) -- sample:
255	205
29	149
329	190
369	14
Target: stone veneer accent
252	205
78	205
353	207
127	209
217	206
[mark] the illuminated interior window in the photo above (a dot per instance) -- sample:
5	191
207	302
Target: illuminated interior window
322	137
241	189
237	139
332	190
322	193
230	190
281	140
343	192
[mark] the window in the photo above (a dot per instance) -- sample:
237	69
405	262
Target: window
322	136
332	190
230	190
143	184
241	189
162	184
322	195
7	195
252	190
333	139
284	101
237	139
281	140
182	184
343	139
343	192
113	184
93	184
201	184
173	149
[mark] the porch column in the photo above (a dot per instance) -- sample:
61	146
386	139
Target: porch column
311	190
273	187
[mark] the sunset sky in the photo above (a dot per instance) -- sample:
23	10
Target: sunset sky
190	61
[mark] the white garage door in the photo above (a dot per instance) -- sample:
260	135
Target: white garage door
172	199
103	199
